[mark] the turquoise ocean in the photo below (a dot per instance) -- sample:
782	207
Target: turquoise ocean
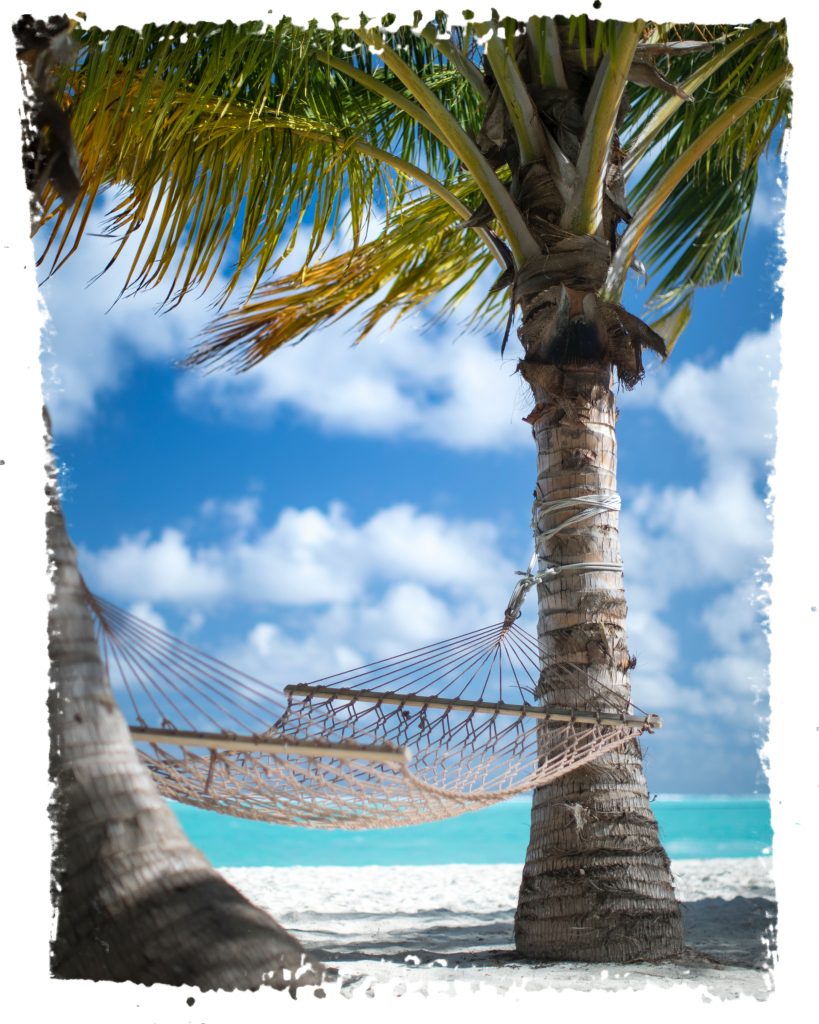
690	827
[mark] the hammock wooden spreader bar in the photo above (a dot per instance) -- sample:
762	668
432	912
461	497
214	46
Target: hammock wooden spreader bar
424	735
544	712
228	742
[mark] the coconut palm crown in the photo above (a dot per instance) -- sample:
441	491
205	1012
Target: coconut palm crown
400	164
481	142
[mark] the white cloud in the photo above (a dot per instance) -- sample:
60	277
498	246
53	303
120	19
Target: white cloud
308	557
735	617
433	383
403	577
273	655
311	557
405	616
656	647
448	387
733	674
728	409
715	535
410	615
239	515
145	610
740	670
769	200
685	538
349	592
92	341
141	569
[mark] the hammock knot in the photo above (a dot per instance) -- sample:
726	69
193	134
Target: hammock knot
522	587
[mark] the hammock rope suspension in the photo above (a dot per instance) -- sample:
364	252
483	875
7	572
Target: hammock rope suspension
353	750
427	734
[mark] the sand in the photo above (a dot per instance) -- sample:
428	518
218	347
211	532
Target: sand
394	931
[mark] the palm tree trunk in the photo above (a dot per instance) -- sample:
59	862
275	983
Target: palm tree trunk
596	884
135	901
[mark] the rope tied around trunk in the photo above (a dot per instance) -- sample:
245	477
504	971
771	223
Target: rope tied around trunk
591	505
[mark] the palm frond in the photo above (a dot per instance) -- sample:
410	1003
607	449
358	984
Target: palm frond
424	254
520	239
695	237
231	145
544	42
522	111
583	212
193	122
674	321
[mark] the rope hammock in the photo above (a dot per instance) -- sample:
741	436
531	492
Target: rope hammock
446	728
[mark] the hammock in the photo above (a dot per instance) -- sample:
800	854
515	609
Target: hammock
447	728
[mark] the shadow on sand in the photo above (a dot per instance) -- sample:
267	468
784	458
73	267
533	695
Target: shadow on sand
739	932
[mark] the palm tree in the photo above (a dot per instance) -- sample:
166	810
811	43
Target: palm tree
135	900
560	150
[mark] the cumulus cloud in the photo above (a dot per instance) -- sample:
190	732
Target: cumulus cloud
769	200
684	538
711	539
726	409
145	610
656	647
239	515
94	337
414	380
402	617
164	569
734	622
309	557
447	387
327	591
275	655
336	592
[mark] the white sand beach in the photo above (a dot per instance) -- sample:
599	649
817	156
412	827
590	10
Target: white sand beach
401	930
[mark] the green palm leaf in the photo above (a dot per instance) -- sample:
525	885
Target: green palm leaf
231	145
696	237
415	261
209	128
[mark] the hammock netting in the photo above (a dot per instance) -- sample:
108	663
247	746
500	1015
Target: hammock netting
429	734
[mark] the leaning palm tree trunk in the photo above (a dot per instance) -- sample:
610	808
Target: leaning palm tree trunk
596	882
135	901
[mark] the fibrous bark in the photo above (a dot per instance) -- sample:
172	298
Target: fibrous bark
596	884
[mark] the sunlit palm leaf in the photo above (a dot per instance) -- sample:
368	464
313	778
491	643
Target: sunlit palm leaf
697	237
418	258
674	321
195	121
232	145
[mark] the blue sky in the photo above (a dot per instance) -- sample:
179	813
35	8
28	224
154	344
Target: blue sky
340	502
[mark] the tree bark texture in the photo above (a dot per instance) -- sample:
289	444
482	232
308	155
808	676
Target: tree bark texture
135	901
596	884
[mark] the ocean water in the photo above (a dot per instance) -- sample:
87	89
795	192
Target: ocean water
690	827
